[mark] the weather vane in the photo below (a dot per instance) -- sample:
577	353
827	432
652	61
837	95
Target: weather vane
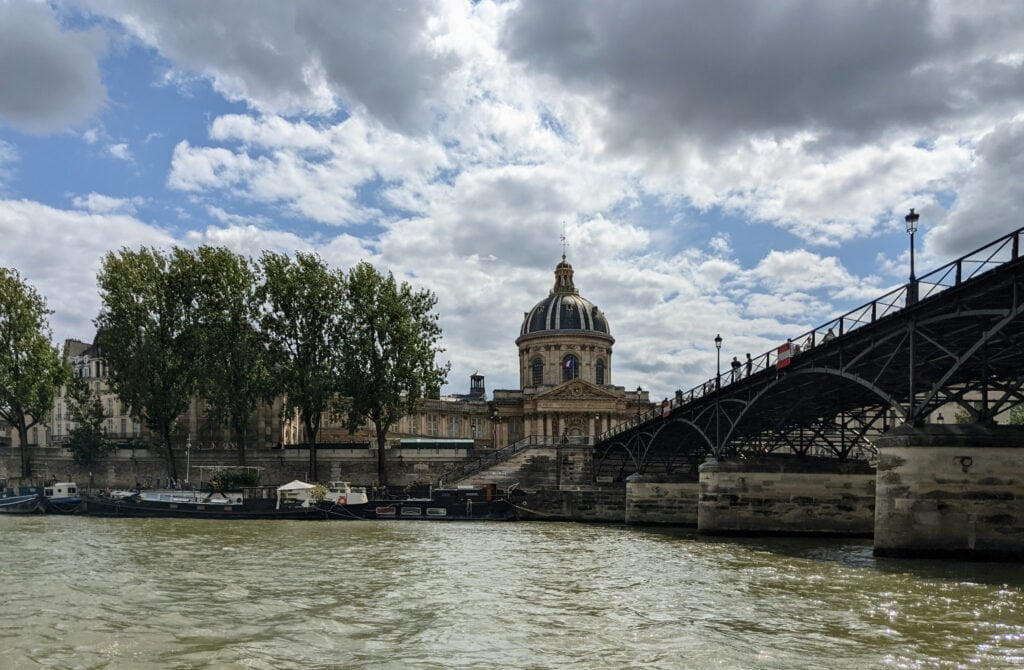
562	238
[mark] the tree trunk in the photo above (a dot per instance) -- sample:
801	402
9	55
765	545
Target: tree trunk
26	466
311	436
172	468
240	435
382	461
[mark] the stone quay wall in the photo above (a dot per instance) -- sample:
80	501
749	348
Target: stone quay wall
951	492
603	504
789	497
125	468
672	503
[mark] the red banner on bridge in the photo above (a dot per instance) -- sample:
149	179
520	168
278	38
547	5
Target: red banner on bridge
785	352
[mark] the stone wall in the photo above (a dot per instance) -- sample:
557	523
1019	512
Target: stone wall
782	496
126	468
606	504
951	492
662	503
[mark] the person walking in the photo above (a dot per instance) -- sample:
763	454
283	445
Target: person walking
735	368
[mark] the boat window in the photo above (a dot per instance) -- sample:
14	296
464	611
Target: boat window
48	493
437	511
72	491
411	511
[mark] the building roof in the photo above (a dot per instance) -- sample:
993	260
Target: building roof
564	309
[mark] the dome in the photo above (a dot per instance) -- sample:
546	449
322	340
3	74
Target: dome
564	309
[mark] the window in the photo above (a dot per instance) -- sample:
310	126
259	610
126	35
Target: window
570	368
537	366
432	424
124	427
453	426
599	371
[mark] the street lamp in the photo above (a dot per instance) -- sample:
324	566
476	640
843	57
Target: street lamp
188	454
718	361
940	418
911	220
718	385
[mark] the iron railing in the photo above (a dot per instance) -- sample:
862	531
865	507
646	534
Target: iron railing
984	259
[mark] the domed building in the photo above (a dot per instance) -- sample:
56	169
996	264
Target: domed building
565	371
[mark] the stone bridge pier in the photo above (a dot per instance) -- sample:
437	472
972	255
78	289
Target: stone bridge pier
951	491
786	496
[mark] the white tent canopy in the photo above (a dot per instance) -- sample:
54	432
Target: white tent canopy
296	485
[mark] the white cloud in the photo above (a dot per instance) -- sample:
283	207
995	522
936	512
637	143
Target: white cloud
91	135
302	56
97	203
50	76
234	219
59	252
120	151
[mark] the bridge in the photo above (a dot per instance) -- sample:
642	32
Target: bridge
952	338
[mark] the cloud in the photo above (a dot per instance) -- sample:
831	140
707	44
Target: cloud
97	203
120	151
234	219
50	77
718	74
301	57
8	155
989	203
59	252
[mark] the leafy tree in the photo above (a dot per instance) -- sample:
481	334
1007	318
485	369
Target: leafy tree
302	319
88	439
1016	416
146	330
31	370
390	352
234	375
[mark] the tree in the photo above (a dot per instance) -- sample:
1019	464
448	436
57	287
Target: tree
234	376
390	352
302	319
88	439
31	370
146	330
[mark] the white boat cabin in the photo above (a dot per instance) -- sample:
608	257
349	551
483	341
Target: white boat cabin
303	494
61	490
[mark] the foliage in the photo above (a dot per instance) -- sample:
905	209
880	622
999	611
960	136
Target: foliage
318	492
1016	416
146	330
234	373
88	439
30	366
231	479
390	352
962	417
302	320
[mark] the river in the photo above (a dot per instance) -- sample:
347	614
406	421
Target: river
149	593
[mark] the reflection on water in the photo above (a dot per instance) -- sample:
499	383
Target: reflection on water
141	593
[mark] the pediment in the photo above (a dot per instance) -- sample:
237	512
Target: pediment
577	389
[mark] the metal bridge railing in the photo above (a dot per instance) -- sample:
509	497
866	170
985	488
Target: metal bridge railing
969	266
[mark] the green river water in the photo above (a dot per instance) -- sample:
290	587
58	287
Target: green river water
147	593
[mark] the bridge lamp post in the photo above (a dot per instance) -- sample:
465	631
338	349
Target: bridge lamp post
911	220
718	385
718	361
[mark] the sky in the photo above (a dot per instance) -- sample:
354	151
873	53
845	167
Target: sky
732	168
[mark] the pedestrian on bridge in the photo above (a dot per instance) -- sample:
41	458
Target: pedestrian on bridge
736	365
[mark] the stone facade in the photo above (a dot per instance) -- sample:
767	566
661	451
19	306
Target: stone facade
671	503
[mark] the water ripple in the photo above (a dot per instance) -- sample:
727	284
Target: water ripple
132	593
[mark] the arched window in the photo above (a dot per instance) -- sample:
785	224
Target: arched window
537	366
599	372
570	368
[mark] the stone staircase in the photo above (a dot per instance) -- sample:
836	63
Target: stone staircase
533	463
